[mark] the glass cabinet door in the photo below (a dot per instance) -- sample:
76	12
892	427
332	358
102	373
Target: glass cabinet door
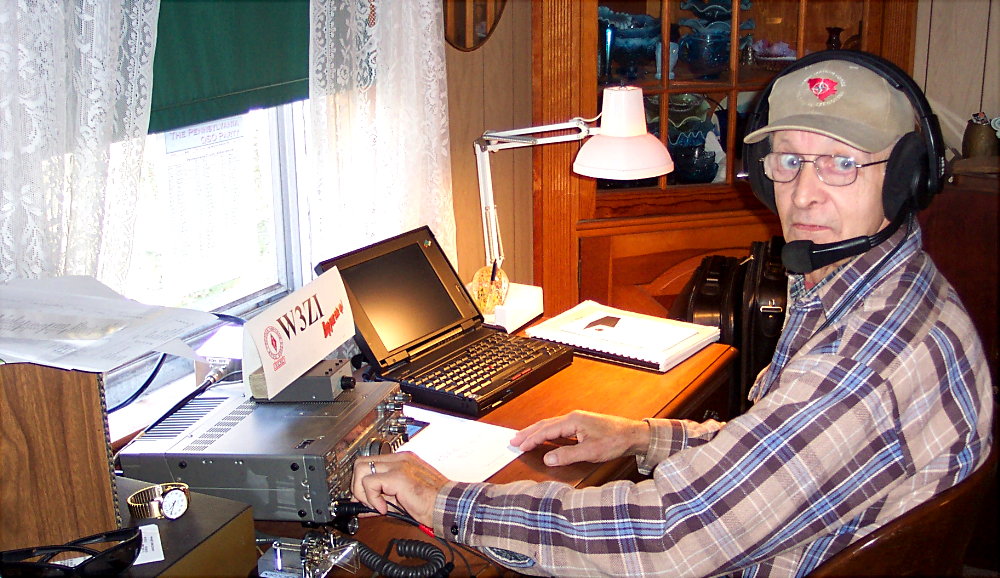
695	60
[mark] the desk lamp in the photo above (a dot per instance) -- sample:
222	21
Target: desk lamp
620	149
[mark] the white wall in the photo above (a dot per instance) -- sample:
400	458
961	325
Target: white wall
957	61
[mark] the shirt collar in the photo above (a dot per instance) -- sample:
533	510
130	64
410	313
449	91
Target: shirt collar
846	282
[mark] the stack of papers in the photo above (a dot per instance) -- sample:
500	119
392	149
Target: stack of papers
78	323
462	449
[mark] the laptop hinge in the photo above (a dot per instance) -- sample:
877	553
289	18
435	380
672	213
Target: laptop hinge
411	353
408	355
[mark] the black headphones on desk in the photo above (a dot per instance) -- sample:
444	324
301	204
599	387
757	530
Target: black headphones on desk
914	172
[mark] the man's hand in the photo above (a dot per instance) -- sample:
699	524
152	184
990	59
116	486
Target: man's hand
599	437
401	478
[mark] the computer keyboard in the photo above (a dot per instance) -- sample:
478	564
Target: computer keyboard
486	370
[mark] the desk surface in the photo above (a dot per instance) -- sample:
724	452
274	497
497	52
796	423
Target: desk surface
602	387
699	383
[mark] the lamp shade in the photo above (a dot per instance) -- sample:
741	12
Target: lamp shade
623	149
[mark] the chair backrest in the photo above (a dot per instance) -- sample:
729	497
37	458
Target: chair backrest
929	540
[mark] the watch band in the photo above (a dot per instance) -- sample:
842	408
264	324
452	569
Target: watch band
147	502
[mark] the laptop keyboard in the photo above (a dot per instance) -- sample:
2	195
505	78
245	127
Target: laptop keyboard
489	363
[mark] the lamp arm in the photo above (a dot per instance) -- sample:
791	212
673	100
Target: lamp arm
521	137
493	141
493	244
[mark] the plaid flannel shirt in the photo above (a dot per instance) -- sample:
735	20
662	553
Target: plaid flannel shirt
878	397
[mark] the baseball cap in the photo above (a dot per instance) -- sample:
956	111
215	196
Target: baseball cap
842	100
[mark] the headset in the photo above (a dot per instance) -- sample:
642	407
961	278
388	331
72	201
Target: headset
914	173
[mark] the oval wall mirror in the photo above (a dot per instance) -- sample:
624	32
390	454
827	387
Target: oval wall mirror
469	23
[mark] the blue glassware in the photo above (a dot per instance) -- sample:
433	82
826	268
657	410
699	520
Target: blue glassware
707	55
712	10
693	164
627	45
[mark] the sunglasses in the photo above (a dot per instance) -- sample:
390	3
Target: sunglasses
104	554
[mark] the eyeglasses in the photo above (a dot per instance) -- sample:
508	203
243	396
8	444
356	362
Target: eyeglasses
834	170
120	549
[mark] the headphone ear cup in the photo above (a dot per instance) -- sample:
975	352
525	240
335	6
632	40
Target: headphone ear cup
761	186
906	176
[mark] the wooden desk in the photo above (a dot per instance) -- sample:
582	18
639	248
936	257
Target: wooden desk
691	389
696	386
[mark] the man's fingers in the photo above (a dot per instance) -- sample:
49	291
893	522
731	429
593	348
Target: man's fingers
401	479
570	454
373	494
544	431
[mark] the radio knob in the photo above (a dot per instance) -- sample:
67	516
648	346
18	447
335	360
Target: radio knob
389	407
398	425
377	446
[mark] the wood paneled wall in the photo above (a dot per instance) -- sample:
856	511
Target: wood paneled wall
490	89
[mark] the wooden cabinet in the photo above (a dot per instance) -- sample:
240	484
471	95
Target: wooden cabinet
627	244
57	482
962	221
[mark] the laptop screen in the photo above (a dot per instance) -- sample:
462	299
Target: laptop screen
403	292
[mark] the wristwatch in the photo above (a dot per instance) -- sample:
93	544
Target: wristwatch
168	500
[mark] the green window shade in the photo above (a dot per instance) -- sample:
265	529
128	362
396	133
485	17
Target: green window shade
219	58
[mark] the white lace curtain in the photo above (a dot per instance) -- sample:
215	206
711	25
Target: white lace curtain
75	81
379	122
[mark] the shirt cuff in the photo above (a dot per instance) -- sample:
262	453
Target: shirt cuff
452	511
666	437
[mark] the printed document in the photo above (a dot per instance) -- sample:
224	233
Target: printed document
78	323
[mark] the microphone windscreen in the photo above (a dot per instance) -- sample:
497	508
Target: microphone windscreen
796	256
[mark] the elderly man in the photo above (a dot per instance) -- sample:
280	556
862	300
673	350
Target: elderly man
878	395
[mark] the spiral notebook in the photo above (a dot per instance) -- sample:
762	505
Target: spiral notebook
625	337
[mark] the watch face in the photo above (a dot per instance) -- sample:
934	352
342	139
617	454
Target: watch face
174	504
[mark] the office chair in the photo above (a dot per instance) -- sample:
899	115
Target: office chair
929	540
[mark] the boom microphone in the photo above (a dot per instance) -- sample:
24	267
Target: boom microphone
806	256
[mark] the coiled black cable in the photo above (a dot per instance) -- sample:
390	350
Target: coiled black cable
431	554
436	564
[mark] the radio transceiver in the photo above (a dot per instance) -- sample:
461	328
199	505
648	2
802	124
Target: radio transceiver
291	461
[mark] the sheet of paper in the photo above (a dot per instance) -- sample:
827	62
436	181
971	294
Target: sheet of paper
78	323
464	450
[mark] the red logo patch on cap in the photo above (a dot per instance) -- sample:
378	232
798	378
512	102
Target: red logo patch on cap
823	88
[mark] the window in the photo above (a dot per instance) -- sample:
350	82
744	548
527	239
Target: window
217	199
215	231
216	222
217	202
199	107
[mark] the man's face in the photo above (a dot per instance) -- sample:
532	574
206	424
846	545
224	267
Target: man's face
814	211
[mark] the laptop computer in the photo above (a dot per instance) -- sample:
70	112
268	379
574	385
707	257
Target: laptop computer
417	325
